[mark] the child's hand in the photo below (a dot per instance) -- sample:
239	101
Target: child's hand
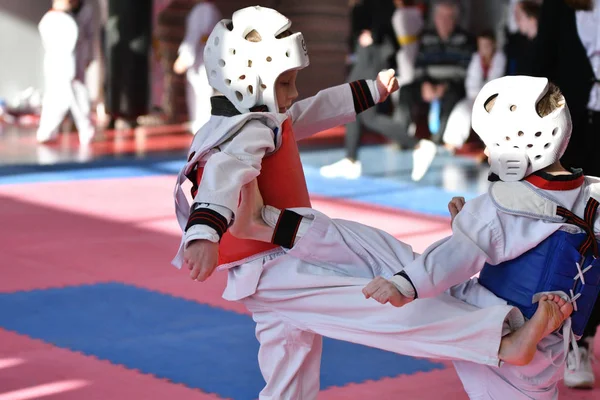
386	84
201	257
365	39
180	66
385	291
455	205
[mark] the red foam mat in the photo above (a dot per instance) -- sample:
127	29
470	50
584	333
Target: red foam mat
68	233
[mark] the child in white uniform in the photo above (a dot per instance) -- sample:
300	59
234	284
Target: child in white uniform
252	131
200	22
407	22
534	233
487	64
63	91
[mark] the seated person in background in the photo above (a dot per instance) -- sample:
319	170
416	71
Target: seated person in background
439	83
487	64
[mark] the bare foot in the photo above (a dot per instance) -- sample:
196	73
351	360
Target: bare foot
519	347
248	223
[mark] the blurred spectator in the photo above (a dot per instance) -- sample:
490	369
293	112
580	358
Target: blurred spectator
376	49
487	64
200	23
568	53
407	22
84	50
527	13
520	46
360	19
444	55
64	91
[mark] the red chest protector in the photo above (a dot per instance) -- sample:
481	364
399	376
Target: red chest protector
282	185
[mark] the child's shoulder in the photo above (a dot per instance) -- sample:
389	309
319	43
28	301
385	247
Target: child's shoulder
221	128
522	199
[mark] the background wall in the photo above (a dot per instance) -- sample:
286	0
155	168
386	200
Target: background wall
324	24
20	46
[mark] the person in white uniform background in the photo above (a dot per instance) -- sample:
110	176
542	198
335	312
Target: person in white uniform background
408	23
487	64
200	22
63	92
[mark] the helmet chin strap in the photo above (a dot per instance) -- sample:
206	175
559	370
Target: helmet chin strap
509	166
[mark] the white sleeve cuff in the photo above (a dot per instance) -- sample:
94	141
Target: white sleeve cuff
201	232
374	91
403	286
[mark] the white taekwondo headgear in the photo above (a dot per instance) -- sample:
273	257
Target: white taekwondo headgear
245	72
518	139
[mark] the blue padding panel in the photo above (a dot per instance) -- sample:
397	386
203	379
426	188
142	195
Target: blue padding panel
183	341
104	169
402	195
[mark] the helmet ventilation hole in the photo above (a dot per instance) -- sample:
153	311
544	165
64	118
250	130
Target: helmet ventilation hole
250	89
520	133
263	86
242	77
513	108
508	138
529	146
538	134
547	146
249	63
228	82
221	63
213	73
269	59
232	51
217	40
287	53
489	103
555	132
538	157
239	95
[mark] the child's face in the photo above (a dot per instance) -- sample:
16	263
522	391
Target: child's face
527	25
486	47
285	90
62	5
445	18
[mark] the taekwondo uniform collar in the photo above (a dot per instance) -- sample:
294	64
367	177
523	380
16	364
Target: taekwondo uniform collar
532	197
546	181
222	107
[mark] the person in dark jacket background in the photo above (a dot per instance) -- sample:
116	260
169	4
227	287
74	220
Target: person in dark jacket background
568	53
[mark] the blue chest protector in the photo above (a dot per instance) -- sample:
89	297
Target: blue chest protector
563	262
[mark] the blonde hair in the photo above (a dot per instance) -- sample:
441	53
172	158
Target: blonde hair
552	100
254	36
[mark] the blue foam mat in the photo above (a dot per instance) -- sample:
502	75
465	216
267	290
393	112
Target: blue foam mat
387	192
180	340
